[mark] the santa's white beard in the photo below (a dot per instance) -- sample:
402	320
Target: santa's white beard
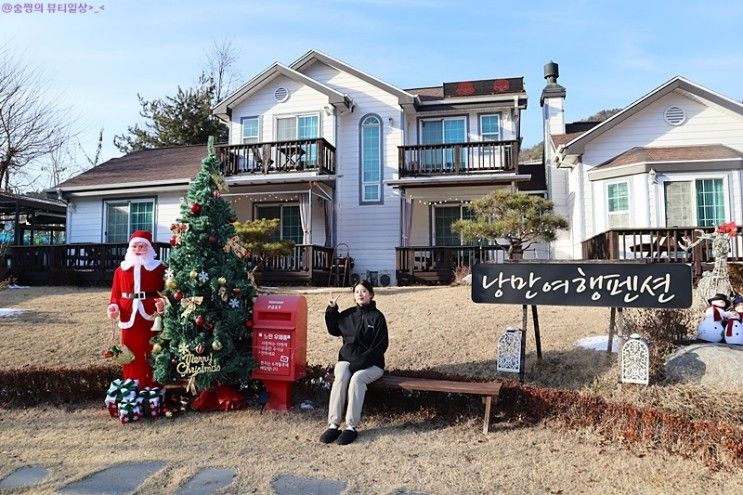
132	259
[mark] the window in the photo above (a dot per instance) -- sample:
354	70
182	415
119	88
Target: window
290	225
490	127
124	217
250	130
300	127
442	131
699	202
371	159
618	204
444	217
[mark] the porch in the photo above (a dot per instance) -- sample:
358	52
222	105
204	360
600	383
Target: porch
458	158
657	245
302	155
435	265
93	264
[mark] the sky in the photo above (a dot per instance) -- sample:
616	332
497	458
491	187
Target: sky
610	53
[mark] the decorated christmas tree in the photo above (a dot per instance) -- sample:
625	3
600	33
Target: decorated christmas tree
205	336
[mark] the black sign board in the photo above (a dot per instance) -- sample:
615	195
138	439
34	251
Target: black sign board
484	87
660	285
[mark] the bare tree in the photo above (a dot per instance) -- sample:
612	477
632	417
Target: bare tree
93	160
220	68
31	125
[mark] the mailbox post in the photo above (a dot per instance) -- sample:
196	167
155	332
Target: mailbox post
280	346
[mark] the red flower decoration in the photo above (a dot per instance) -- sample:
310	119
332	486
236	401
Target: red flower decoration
728	228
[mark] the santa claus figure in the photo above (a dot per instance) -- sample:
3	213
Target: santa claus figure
713	325
734	327
135	301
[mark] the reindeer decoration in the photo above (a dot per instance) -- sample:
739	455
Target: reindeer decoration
718	280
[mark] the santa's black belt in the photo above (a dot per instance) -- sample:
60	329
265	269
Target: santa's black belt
140	295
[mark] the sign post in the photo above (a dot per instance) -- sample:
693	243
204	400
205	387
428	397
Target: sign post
614	285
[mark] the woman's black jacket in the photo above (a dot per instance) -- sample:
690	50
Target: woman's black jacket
364	332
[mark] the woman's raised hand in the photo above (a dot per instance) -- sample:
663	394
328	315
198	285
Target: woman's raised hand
333	301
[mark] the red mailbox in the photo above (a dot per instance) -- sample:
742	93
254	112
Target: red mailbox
280	346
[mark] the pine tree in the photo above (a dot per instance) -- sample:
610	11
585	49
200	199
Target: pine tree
206	336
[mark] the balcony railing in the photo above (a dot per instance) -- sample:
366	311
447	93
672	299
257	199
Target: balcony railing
436	264
93	264
661	245
300	155
458	158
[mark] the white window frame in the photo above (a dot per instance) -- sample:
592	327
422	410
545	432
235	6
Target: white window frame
250	139
128	202
296	118
500	126
281	207
363	199
628	211
693	179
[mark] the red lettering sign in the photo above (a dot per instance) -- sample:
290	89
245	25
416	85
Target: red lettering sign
501	85
465	89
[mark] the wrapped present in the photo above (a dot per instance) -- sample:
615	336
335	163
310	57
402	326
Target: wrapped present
118	391
151	401
130	410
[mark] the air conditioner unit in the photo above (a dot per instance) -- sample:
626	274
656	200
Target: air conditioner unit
385	278
380	278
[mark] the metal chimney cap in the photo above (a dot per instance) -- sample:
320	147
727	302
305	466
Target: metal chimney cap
551	71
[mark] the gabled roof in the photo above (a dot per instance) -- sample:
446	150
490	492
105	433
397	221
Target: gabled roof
671	154
403	97
577	145
223	109
159	166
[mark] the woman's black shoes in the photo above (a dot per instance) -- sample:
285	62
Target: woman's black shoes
348	436
330	435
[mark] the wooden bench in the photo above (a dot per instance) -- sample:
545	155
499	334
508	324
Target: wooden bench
488	390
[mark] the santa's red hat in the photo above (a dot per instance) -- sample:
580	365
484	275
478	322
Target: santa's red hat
141	236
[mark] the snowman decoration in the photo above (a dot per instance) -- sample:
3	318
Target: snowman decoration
712	327
734	326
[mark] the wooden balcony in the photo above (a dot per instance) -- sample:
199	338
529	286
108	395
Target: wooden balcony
432	265
94	264
458	158
657	245
303	155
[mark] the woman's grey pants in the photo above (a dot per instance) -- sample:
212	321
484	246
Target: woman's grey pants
354	386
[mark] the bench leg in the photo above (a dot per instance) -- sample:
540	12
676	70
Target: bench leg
488	402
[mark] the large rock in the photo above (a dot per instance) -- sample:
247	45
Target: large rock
717	366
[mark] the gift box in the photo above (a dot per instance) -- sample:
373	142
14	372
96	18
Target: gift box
130	410
151	402
118	391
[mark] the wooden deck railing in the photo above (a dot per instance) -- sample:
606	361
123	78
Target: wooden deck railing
436	264
277	157
457	158
91	263
657	245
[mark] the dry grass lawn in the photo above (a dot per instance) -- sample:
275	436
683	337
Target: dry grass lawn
430	328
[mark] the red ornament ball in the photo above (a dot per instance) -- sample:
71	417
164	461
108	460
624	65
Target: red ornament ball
173	241
199	321
178	295
236	290
248	323
174	361
195	208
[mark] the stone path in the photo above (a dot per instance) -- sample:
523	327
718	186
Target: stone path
122	479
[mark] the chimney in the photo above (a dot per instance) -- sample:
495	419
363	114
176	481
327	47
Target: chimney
552	101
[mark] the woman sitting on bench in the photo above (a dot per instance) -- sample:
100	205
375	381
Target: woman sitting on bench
360	360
